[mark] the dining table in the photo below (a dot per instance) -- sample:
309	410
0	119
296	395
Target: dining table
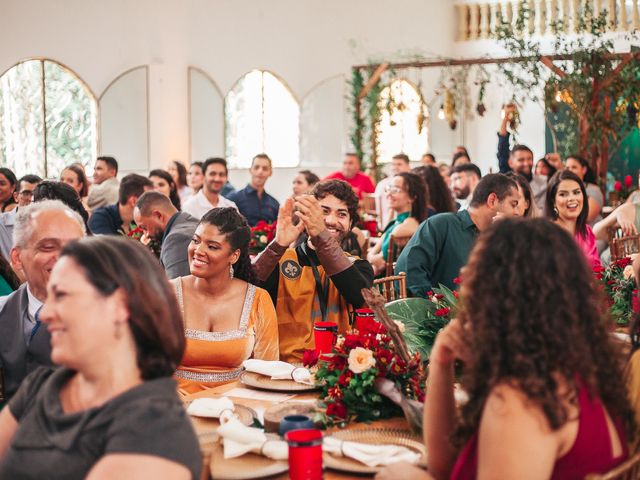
260	401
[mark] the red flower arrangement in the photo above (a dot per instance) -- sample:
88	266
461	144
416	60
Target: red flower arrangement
625	188
347	376
261	235
619	284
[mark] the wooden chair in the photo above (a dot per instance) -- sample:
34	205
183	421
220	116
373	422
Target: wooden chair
624	246
393	287
396	244
368	204
629	470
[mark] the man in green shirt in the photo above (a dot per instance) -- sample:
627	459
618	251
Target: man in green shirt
441	245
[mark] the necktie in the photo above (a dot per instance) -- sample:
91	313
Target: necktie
37	325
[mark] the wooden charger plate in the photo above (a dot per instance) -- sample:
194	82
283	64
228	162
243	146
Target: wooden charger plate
206	427
375	436
249	465
263	382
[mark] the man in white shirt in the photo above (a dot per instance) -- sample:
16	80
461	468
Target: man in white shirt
104	190
399	164
215	177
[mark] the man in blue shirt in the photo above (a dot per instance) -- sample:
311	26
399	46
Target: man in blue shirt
252	201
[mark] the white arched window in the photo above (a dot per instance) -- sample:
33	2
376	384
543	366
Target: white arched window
403	122
261	116
47	119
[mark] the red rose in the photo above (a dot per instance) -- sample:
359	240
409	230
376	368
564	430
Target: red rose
623	262
352	341
628	181
369	325
617	186
439	296
457	280
442	312
345	378
310	358
337	363
338	410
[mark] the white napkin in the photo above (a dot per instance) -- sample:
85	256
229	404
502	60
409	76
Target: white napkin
210	407
370	455
239	439
278	370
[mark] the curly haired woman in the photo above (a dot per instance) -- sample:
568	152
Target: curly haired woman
546	393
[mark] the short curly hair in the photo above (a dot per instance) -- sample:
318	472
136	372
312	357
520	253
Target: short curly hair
343	192
531	334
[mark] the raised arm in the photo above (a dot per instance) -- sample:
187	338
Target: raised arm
503	140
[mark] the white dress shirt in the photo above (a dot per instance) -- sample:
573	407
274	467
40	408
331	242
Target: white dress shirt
197	205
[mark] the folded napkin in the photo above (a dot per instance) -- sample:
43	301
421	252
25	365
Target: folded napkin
278	370
370	455
210	407
239	439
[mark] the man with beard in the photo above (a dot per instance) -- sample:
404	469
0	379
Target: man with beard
315	281
161	221
464	178
210	195
520	160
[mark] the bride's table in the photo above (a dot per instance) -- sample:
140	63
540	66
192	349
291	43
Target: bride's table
259	401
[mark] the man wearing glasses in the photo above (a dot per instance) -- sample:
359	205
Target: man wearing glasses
24	196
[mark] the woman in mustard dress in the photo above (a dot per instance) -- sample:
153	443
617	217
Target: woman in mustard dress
227	319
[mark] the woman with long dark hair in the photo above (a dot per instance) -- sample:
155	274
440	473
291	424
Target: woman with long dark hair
543	374
408	198
74	175
568	206
440	198
8	186
226	318
526	205
179	174
163	182
195	177
582	169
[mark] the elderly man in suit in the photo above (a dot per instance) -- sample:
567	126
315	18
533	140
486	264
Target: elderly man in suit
155	214
40	232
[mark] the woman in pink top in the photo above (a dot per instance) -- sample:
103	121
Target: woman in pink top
567	204
546	392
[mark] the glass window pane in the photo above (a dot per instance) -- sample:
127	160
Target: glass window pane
71	114
281	123
402	126
21	122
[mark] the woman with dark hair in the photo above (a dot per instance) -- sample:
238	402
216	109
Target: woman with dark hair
547	398
110	409
304	181
544	168
179	174
582	169
164	183
9	281
526	205
75	176
8	185
408	198
440	199
195	177
226	318
568	206
49	190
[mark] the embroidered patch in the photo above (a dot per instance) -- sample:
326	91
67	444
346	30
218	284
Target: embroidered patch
290	269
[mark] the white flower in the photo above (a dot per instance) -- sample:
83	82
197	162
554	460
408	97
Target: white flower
361	359
400	325
263	239
628	272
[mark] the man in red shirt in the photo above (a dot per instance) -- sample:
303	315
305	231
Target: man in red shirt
351	174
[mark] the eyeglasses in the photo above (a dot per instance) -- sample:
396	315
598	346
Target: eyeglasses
26	193
392	189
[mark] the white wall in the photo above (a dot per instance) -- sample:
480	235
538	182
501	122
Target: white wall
305	42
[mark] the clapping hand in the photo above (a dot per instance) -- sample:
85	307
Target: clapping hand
286	231
310	213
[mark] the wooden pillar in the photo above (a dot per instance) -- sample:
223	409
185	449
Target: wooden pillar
463	22
622	18
565	16
485	21
531	23
473	21
635	15
575	15
596	7
552	15
541	27
611	14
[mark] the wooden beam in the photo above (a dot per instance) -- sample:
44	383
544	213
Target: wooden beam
375	78
547	62
616	71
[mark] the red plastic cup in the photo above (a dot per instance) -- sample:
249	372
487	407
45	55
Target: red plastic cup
325	335
305	454
363	317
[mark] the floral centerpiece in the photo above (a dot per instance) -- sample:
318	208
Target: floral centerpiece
261	235
348	376
619	285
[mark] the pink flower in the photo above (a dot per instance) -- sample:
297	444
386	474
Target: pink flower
617	186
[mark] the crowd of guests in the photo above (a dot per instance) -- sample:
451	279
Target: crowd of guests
184	298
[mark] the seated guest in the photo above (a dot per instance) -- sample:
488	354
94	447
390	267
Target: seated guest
351	174
49	190
104	190
303	182
9	281
568	206
210	195
428	159
399	164
111	409
441	245
408	199
8	186
173	230
582	169
544	168
253	201
544	377
40	232
164	183
26	186
526	206
316	281
195	178
460	158
464	178
178	173
74	176
440	198
116	219
226	319
445	172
